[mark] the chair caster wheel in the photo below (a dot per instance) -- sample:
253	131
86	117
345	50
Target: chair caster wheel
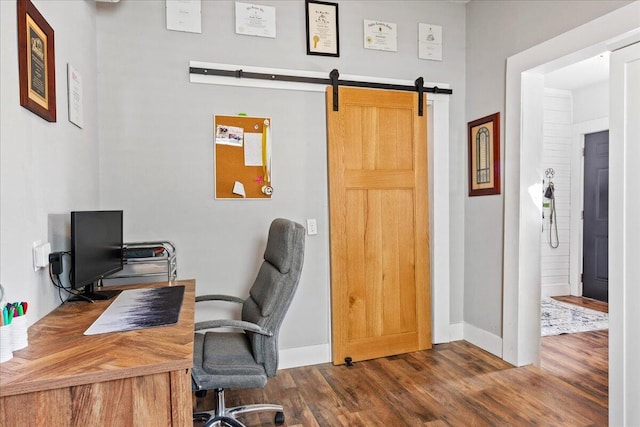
279	419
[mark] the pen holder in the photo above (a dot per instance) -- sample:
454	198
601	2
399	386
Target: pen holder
19	336
6	348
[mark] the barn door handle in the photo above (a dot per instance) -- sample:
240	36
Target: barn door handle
334	82
420	89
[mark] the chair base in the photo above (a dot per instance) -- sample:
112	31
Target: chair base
223	416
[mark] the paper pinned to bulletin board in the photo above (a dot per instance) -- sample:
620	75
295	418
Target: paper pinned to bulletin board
242	157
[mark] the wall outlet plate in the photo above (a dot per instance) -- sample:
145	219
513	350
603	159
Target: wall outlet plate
312	227
40	254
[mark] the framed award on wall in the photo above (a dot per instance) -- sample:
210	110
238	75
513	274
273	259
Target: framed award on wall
36	62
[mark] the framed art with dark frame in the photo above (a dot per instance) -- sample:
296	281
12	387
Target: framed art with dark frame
484	155
36	62
322	28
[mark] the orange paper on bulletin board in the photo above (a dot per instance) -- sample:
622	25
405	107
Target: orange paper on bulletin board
242	155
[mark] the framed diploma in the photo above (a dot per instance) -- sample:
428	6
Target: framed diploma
380	35
322	28
36	62
255	20
484	155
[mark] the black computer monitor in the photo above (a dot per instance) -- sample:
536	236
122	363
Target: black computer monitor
96	250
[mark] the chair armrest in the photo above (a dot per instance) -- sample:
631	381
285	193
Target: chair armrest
238	324
227	298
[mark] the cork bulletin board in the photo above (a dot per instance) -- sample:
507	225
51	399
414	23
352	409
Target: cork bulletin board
242	157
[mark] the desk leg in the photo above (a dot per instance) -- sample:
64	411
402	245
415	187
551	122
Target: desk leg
181	413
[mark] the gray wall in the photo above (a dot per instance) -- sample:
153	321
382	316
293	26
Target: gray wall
497	29
155	158
47	169
156	145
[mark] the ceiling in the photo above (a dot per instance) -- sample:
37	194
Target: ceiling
581	74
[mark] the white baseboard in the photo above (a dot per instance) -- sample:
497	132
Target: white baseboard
555	290
456	331
483	339
304	356
317	354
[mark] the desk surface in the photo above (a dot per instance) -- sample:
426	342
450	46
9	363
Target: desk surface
59	355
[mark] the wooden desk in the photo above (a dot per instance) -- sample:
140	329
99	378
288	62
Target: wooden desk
134	378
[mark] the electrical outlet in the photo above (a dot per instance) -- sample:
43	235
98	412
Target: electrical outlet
40	255
312	227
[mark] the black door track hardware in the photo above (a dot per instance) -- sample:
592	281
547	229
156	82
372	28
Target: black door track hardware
333	81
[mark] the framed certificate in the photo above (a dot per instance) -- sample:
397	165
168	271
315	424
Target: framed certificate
255	20
430	42
36	62
380	35
322	28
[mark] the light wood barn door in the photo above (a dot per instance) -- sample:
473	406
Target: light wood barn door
378	195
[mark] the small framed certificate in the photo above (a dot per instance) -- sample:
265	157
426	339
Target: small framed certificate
74	96
322	28
36	63
380	35
255	20
430	42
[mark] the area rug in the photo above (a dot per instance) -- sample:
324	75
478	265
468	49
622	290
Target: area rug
557	318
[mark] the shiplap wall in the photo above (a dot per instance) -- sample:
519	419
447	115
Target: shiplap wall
557	155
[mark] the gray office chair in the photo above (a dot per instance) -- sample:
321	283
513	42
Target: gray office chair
246	359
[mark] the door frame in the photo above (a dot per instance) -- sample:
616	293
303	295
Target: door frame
521	276
577	198
523	174
439	220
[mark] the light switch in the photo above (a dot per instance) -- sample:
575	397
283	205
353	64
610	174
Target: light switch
312	227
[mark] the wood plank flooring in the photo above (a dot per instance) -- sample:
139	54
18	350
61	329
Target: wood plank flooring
585	302
454	384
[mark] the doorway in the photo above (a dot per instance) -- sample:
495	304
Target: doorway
575	104
612	32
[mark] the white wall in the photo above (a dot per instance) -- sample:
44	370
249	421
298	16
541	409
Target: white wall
47	169
556	154
157	148
591	102
495	30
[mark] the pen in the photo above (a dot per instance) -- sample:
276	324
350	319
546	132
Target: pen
5	315
20	310
24	307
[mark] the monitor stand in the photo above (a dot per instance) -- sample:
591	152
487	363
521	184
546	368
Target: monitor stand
91	295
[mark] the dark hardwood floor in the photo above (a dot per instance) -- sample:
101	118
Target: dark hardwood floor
454	384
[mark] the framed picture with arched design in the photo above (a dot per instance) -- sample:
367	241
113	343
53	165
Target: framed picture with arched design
484	155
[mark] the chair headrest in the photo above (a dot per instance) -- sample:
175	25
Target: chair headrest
280	243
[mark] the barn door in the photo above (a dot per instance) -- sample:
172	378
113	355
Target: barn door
378	195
